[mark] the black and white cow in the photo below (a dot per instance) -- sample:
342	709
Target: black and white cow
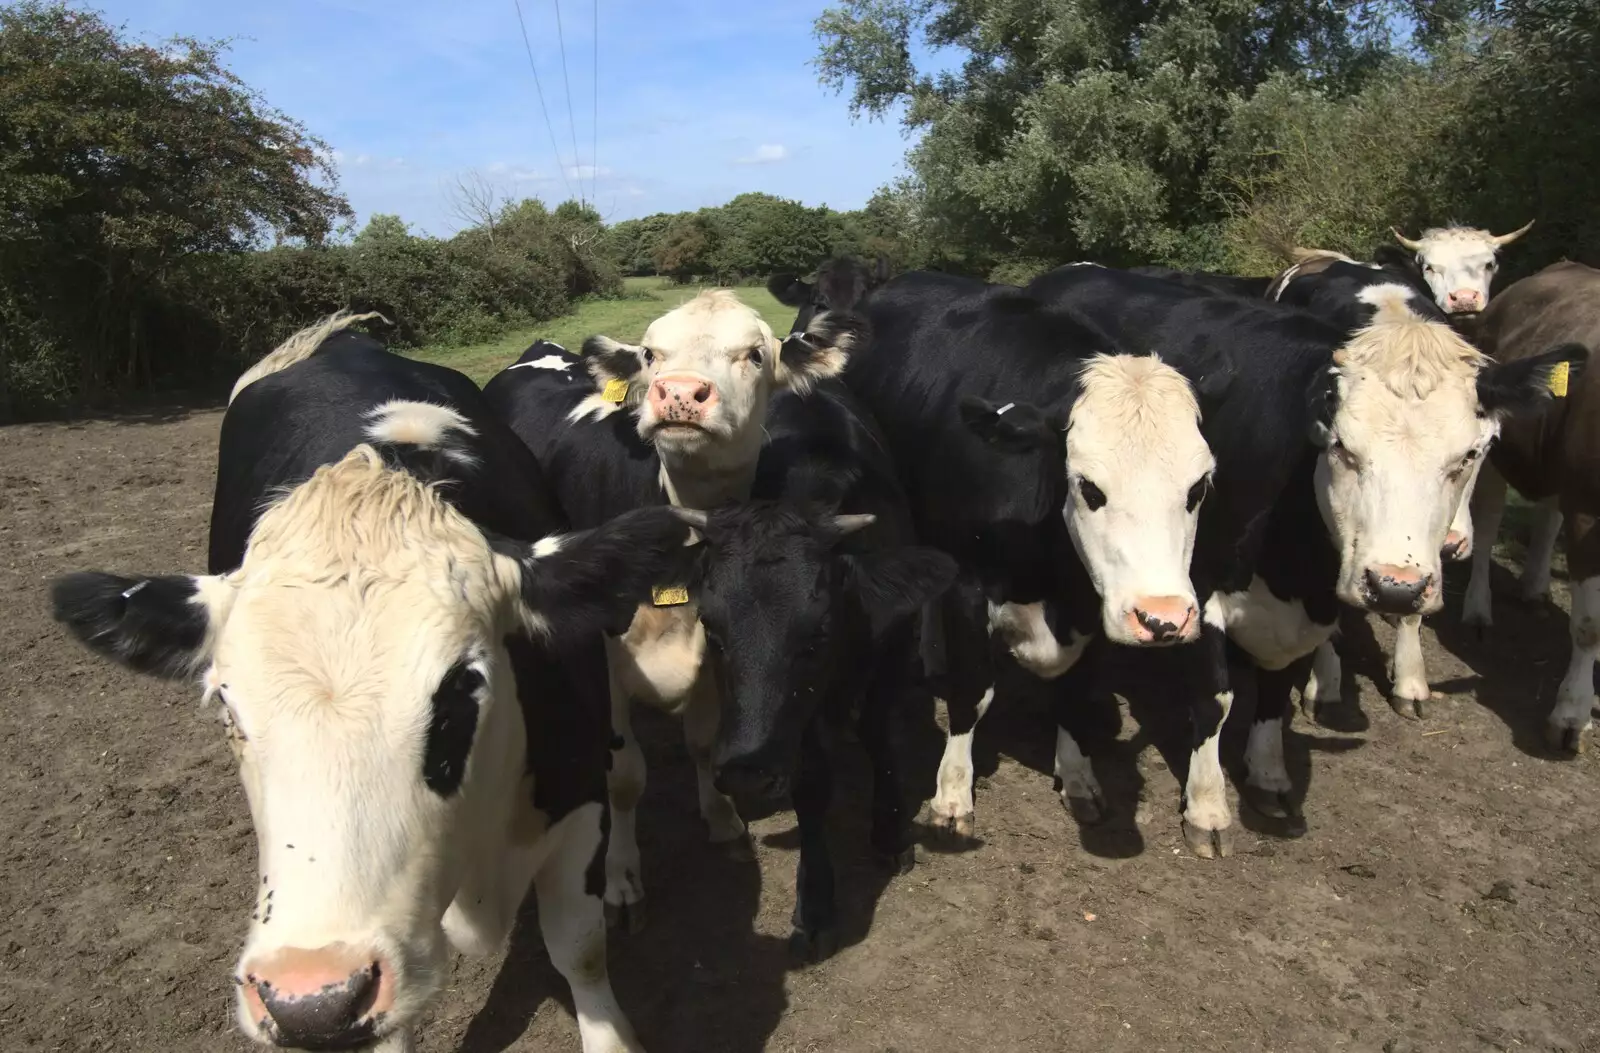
1349	295
1370	439
415	697
801	597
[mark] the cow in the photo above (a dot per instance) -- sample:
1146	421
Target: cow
1554	458
840	283
801	599
1207	281
1349	295
403	641
1457	263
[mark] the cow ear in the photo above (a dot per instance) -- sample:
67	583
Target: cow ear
1020	427
894	584
1508	388
574	585
822	350
618	372
789	290
1322	403
1210	376
162	626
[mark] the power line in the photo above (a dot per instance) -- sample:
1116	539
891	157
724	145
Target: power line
542	109
572	124
594	150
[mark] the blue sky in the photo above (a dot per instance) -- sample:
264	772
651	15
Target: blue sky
698	99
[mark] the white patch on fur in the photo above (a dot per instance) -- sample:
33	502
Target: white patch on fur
953	788
658	659
548	546
1135	435
1264	756
1074	770
1205	793
1390	300
402	422
1026	634
299	347
1326	682
1274	632
558	362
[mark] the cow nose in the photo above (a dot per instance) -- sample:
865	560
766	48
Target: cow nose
1395	590
682	400
1164	620
749	782
1465	300
321	998
1457	546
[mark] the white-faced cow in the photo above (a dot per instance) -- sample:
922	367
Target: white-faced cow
415	698
948	372
1553	458
800	608
1349	295
1458	263
1340	461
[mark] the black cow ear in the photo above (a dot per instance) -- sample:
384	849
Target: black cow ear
894	584
1509	388
789	289
609	359
575	585
822	350
1017	426
159	625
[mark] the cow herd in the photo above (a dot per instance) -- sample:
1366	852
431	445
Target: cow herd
429	609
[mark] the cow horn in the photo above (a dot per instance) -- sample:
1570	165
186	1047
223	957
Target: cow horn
1414	246
1501	240
693	516
850	524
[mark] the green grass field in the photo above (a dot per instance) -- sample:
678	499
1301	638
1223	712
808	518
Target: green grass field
645	299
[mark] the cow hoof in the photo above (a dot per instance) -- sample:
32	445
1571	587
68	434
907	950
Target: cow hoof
898	863
1409	708
1208	844
1278	805
955	827
628	917
1086	811
1563	738
813	947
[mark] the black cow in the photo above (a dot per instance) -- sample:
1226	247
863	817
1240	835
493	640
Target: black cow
841	283
1207	281
381	649
805	594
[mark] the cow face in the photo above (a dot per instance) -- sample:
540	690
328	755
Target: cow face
795	618
1458	263
1136	471
841	283
703	374
1403	417
360	658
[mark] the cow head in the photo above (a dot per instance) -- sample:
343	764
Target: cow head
795	614
360	657
1136	471
1403	417
701	377
1458	263
841	283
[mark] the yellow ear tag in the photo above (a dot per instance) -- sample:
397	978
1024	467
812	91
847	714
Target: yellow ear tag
1558	379
669	595
616	390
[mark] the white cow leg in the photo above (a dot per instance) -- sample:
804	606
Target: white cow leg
479	919
1407	670
1080	790
573	923
1534	584
702	713
1325	685
953	807
1206	816
625	782
1570	721
1488	507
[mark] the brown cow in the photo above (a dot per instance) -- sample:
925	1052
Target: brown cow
1553	456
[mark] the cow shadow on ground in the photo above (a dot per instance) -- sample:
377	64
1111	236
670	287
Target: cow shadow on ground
699	975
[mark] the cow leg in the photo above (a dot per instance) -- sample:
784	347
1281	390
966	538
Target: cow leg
1570	721
1488	506
1534	584
1325	685
572	919
1267	786
1075	779
1207	820
625	782
702	712
1408	673
815	919
970	674
885	707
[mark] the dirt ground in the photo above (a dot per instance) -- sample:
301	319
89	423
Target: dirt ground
1445	897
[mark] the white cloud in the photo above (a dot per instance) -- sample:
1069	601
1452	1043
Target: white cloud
587	171
633	191
766	154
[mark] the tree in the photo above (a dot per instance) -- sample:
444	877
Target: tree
685	249
476	202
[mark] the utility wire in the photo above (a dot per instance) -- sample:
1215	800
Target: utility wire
542	109
572	124
594	149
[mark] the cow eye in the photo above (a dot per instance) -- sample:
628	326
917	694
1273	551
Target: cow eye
1197	493
755	356
1342	452
1491	265
649	357
1092	495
